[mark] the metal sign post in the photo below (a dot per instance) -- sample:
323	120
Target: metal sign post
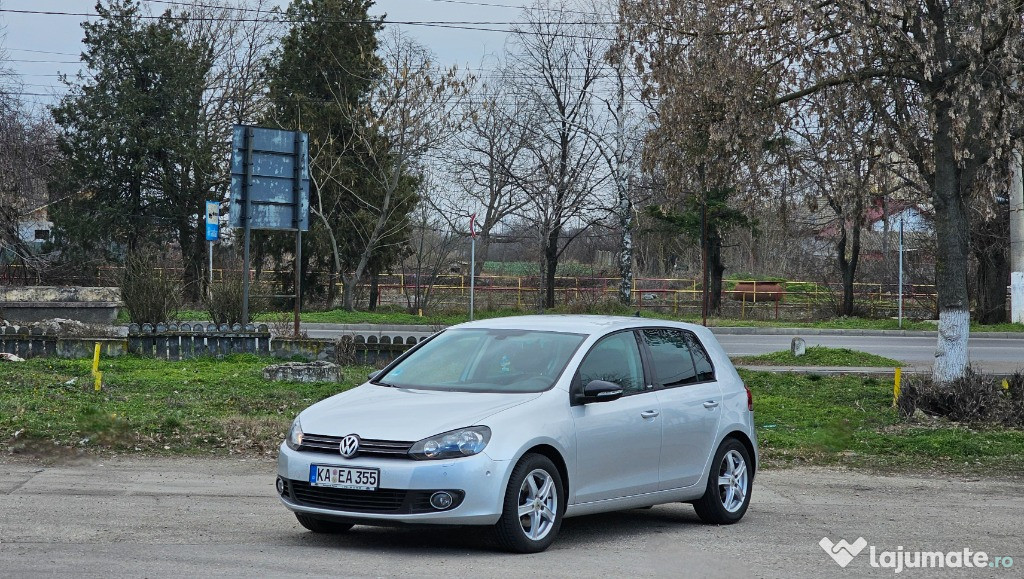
901	276
269	190
212	234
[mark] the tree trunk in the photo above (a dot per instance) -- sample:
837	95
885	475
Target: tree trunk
990	249
625	212
348	291
374	290
483	246
715	271
952	229
550	266
848	265
332	286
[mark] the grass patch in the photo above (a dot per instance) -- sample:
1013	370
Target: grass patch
808	419
194	407
222	407
819	356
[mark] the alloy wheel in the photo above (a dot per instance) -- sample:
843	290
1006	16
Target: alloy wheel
733	481
538	504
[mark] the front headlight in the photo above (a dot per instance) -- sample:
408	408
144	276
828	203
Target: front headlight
454	444
294	440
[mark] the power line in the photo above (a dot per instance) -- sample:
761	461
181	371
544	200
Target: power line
42	61
40	51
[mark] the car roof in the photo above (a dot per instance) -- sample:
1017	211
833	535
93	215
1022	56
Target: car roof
578	324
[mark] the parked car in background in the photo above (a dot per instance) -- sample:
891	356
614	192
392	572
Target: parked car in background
516	423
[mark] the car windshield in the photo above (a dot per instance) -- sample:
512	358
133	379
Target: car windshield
486	360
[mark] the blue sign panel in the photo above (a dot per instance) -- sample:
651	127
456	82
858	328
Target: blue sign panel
270	175
212	221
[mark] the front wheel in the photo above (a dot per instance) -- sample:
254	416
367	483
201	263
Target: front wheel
533	507
729	485
322	526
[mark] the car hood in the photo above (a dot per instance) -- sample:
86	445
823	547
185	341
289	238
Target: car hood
384	413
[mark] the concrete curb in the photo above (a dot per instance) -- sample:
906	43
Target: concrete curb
832	370
762	331
863	371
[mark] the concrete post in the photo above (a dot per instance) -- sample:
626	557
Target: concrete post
1017	242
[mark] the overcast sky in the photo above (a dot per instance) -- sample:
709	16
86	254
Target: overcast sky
41	45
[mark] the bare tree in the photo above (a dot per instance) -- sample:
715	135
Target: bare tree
560	62
431	246
491	163
26	157
850	165
240	35
412	110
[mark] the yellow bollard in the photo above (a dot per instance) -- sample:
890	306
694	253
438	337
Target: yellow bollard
96	368
896	386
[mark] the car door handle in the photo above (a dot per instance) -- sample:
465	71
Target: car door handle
711	404
649	413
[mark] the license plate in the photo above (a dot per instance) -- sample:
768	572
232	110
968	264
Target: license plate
341	477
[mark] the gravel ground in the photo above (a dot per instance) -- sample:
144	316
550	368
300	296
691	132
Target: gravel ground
154	517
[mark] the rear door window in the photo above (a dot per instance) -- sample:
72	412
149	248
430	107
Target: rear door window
701	359
677	358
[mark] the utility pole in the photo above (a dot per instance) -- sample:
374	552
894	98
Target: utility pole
1017	241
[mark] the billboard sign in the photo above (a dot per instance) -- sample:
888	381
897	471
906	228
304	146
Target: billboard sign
269	179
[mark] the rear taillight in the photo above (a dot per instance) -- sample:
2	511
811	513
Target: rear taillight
750	398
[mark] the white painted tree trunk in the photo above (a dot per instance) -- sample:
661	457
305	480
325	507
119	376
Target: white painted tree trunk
951	351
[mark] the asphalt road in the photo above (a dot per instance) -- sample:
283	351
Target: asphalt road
995	354
219	517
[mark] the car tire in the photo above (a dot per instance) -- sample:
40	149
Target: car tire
533	507
322	526
730	483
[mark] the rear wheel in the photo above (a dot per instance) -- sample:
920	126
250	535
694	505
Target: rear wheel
322	526
730	483
533	507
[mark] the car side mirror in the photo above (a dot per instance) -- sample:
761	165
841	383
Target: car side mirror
601	391
373	374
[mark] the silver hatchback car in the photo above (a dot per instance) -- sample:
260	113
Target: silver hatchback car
516	423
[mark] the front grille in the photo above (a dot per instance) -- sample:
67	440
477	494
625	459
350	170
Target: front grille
378	501
397	501
367	447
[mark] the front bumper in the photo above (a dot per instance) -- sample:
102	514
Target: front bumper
480	478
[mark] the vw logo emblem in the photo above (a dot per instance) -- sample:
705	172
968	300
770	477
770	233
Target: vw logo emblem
349	446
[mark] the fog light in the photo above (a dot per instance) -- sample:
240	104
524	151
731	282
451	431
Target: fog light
280	486
441	500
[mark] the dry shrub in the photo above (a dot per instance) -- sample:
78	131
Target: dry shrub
224	303
283	324
150	293
975	398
